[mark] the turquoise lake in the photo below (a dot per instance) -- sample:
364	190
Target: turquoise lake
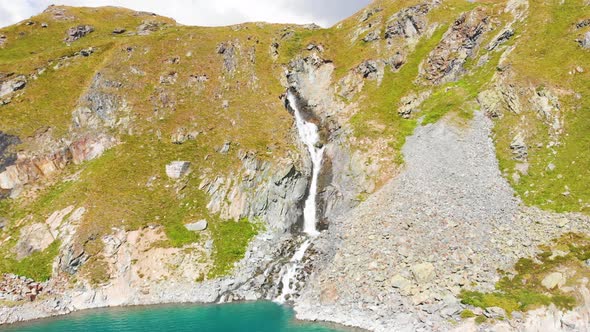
254	316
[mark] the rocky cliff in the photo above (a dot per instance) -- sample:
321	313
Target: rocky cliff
142	161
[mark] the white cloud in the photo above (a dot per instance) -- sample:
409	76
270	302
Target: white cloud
205	12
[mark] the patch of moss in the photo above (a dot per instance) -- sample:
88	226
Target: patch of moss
480	319
467	314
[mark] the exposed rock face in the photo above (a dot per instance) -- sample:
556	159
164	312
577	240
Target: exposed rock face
228	51
275	195
519	147
101	106
7	155
445	63
11	85
149	26
28	169
408	23
78	32
177	169
410	104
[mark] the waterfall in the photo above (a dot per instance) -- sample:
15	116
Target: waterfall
289	273
309	135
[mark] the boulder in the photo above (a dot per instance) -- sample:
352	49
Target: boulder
423	272
553	280
75	33
12	85
198	226
177	169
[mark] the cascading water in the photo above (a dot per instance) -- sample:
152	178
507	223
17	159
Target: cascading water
309	135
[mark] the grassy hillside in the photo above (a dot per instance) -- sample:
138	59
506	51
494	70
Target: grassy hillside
224	85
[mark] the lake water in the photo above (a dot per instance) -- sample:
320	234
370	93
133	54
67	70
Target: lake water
253	316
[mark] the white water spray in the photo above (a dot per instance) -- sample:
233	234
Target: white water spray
309	135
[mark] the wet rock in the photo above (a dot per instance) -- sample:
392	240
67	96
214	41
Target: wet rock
198	226
177	169
78	32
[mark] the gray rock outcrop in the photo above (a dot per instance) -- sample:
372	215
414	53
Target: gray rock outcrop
77	32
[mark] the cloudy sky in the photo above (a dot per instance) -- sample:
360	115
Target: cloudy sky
205	12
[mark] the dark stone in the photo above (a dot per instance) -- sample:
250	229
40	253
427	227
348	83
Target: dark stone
119	31
501	39
367	68
78	32
7	155
583	23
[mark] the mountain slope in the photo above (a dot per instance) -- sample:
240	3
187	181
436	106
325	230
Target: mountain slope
139	157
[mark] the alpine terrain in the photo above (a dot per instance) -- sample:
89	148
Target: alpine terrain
423	165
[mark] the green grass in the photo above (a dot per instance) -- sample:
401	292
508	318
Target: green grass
36	266
523	289
230	241
545	54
